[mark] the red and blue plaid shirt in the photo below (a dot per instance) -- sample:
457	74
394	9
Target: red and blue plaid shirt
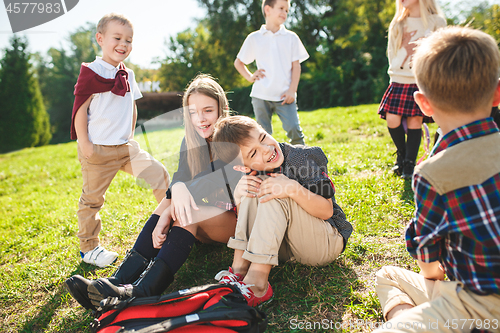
461	228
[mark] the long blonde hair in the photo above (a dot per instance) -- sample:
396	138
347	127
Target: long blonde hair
427	9
206	85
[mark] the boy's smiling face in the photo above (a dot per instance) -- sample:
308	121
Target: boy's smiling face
261	151
278	13
116	42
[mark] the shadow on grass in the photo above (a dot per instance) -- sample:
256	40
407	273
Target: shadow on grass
203	263
407	195
305	295
41	321
301	292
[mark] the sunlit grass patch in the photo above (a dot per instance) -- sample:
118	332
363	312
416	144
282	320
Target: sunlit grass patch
40	187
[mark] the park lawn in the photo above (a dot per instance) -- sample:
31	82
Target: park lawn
39	191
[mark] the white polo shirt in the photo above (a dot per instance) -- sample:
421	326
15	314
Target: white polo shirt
110	116
273	52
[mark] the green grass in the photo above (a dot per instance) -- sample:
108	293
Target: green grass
39	191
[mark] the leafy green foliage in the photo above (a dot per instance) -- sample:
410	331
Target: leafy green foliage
23	119
346	41
195	51
486	18
58	74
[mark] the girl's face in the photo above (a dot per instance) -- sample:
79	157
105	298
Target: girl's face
203	111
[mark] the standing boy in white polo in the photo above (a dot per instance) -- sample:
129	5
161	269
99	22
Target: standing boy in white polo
278	53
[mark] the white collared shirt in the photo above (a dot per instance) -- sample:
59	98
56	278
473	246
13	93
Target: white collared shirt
273	52
110	116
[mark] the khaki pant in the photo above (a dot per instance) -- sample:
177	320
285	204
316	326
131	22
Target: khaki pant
440	306
280	228
99	170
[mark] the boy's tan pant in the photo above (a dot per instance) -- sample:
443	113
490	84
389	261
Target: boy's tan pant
280	228
99	170
440	306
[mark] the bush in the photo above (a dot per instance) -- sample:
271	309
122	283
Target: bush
240	101
24	121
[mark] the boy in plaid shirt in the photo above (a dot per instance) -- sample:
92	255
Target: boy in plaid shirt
286	206
456	229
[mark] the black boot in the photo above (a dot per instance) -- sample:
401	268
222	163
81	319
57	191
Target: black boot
408	168
412	145
398	167
153	281
77	287
398	136
131	268
129	271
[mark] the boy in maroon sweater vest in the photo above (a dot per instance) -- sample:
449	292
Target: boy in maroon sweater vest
103	121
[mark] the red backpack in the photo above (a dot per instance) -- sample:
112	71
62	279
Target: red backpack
216	308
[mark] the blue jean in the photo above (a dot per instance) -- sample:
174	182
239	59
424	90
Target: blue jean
287	113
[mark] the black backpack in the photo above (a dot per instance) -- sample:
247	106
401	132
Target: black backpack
216	308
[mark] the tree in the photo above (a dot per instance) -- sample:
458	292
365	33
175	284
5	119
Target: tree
193	51
486	18
58	74
346	40
24	121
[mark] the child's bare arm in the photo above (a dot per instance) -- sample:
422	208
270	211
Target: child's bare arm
289	96
134	121
81	128
431	271
280	186
243	70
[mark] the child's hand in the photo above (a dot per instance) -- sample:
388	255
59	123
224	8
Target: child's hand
87	148
257	75
181	203
288	97
248	186
432	271
160	231
278	186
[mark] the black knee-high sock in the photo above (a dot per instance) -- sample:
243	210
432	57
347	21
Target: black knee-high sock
144	242
398	137
176	248
413	144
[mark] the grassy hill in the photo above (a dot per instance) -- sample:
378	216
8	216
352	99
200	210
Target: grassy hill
39	191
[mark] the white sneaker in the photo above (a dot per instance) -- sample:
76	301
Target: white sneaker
99	257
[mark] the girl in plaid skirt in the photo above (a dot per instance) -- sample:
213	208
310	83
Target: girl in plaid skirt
414	19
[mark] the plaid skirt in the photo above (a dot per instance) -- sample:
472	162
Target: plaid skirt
398	99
